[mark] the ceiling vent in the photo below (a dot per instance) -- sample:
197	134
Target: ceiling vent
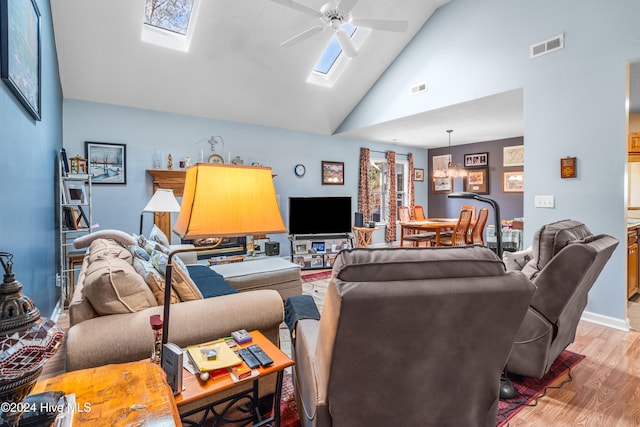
547	46
416	89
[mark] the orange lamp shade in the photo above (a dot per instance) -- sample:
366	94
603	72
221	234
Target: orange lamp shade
227	201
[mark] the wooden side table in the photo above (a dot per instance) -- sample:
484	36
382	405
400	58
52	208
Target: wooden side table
74	260
364	235
200	396
125	394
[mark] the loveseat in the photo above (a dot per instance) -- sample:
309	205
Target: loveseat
112	303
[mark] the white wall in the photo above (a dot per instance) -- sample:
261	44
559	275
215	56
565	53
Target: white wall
144	131
574	102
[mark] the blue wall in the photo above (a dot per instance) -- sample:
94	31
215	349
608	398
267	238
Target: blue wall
510	203
574	103
144	131
28	150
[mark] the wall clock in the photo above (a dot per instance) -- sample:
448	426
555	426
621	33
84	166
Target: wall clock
216	158
300	169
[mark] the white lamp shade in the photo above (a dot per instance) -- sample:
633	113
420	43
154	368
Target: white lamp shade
163	201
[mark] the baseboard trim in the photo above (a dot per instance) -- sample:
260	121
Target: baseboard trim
57	310
610	322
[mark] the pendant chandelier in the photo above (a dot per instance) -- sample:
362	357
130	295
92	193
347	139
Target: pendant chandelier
452	171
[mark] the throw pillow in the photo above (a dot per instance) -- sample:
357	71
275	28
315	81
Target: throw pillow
112	286
106	248
180	280
154	280
117	235
158	236
139	253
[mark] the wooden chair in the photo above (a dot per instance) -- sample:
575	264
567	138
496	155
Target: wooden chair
459	235
413	236
473	216
477	233
418	213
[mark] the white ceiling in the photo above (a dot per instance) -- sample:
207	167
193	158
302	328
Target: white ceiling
236	69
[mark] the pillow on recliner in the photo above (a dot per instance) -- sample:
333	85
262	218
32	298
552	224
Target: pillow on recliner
154	280
112	286
551	239
106	248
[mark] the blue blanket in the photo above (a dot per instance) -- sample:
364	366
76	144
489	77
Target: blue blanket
210	283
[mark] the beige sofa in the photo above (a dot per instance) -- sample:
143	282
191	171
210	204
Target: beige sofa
110	320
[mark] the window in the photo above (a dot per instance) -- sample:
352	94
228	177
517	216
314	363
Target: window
169	23
379	188
332	62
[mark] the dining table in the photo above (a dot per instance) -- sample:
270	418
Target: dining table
436	225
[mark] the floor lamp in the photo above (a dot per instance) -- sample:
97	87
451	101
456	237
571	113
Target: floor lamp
162	201
507	391
223	201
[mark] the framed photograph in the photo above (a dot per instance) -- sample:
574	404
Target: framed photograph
441	163
568	167
75	192
418	174
107	162
20	52
317	261
513	156
513	181
301	248
332	173
476	160
442	185
477	181
318	246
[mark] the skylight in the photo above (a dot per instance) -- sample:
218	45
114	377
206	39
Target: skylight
333	50
170	15
333	62
169	23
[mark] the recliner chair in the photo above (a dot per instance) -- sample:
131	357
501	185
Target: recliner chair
564	261
409	336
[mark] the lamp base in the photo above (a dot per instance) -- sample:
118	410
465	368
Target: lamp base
507	390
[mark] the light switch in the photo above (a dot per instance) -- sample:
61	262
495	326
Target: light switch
544	202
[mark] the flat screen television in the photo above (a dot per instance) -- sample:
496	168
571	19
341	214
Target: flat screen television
319	215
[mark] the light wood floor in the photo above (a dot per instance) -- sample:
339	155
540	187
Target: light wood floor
605	390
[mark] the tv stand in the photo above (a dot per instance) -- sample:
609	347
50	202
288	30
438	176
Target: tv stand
317	251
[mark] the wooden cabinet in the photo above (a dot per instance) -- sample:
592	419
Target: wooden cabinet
634	142
632	262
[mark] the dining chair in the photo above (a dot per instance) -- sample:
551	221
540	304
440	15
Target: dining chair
477	231
472	209
459	235
413	236
418	213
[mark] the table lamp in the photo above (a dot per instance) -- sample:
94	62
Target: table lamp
223	201
162	201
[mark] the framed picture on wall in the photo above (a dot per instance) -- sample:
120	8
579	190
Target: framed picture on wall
20	52
442	185
440	163
477	181
513	156
513	181
332	173
107	162
476	160
418	174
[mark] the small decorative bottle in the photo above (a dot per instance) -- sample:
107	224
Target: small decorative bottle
156	325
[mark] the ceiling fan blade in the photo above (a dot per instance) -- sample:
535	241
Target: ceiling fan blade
303	36
381	24
347	5
345	42
300	7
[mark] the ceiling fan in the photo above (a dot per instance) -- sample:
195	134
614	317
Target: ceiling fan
335	13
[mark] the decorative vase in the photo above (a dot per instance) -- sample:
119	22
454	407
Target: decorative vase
26	343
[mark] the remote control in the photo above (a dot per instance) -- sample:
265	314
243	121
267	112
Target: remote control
260	355
249	358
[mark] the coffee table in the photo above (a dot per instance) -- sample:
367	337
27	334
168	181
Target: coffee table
200	396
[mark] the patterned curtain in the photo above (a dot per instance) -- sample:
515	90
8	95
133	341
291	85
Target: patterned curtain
390	235
364	188
410	190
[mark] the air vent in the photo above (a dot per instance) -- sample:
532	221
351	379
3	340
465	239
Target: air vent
547	46
420	87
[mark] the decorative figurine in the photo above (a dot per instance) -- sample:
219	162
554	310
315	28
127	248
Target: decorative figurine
169	162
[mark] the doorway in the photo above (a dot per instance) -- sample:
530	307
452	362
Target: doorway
633	197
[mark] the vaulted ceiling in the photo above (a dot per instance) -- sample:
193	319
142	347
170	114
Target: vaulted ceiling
236	69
